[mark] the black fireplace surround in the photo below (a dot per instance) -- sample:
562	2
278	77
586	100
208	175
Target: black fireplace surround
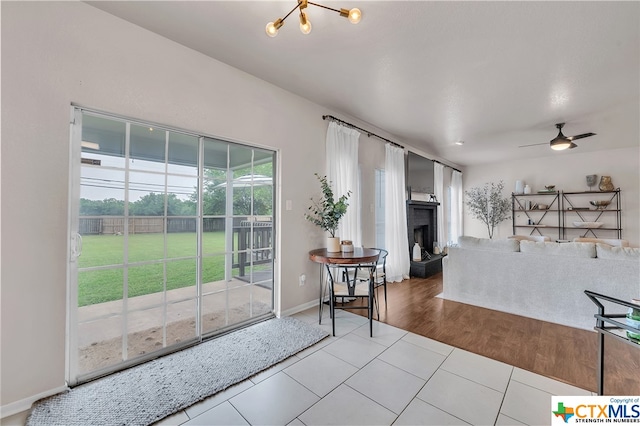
422	220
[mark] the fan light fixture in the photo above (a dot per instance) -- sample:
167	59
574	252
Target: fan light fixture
561	142
354	15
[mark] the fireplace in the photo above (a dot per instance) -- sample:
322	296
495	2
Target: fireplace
422	220
421	235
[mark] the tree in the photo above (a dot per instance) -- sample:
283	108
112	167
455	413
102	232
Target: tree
486	204
215	192
106	207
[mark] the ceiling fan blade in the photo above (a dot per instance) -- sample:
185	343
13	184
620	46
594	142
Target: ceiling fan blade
584	135
534	144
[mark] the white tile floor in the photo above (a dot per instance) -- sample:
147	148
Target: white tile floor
395	377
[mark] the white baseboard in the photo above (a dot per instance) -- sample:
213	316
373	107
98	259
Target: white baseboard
298	308
26	403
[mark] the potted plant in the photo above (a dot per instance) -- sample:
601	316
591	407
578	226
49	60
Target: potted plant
327	212
487	205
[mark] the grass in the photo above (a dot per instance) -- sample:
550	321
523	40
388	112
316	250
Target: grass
107	285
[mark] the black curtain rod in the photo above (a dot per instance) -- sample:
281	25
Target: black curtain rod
331	117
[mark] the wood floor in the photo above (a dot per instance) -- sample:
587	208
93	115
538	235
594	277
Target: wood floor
562	353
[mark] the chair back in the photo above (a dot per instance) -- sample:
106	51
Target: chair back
382	258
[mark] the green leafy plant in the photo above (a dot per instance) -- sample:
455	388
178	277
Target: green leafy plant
327	212
486	204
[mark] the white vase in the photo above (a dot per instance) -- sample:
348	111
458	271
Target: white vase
333	244
417	253
519	187
527	189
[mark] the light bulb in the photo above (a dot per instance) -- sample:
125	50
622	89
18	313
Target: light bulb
305	23
355	15
271	30
559	146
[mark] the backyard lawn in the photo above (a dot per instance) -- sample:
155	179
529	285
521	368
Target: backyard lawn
104	285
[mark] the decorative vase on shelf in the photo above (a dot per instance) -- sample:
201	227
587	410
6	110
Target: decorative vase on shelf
436	248
591	180
417	253
605	183
519	187
333	244
527	189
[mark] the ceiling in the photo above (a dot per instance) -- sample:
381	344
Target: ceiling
495	75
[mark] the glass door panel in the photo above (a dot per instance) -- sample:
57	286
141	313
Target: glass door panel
181	321
213	241
182	195
147	149
183	154
180	242
177	240
214	315
99	344
239	305
145	285
213	273
145	331
181	280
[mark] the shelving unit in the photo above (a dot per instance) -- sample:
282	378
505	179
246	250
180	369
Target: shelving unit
535	219
564	208
574	209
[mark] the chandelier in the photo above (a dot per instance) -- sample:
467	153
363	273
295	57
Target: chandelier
354	15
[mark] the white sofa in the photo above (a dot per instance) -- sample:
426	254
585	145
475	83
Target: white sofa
541	280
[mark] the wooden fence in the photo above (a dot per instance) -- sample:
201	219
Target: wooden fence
114	225
254	239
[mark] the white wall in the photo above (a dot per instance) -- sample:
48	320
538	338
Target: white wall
56	53
566	170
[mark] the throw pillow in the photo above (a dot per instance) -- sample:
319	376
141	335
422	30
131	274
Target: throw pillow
583	250
608	241
605	251
487	244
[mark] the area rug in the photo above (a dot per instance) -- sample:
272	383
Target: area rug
149	392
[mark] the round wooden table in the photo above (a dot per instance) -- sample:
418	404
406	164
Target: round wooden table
365	257
357	256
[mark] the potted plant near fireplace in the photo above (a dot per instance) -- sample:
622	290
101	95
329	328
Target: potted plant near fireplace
327	212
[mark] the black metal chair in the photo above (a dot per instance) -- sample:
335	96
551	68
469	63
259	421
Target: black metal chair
379	278
352	288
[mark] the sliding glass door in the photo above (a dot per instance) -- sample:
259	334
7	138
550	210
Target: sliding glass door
171	241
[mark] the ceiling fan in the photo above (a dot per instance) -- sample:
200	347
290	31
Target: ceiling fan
561	141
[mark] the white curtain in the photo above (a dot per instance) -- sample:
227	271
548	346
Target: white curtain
342	171
438	191
456	206
395	215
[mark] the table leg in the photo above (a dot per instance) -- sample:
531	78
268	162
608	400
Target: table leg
600	372
332	314
320	299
